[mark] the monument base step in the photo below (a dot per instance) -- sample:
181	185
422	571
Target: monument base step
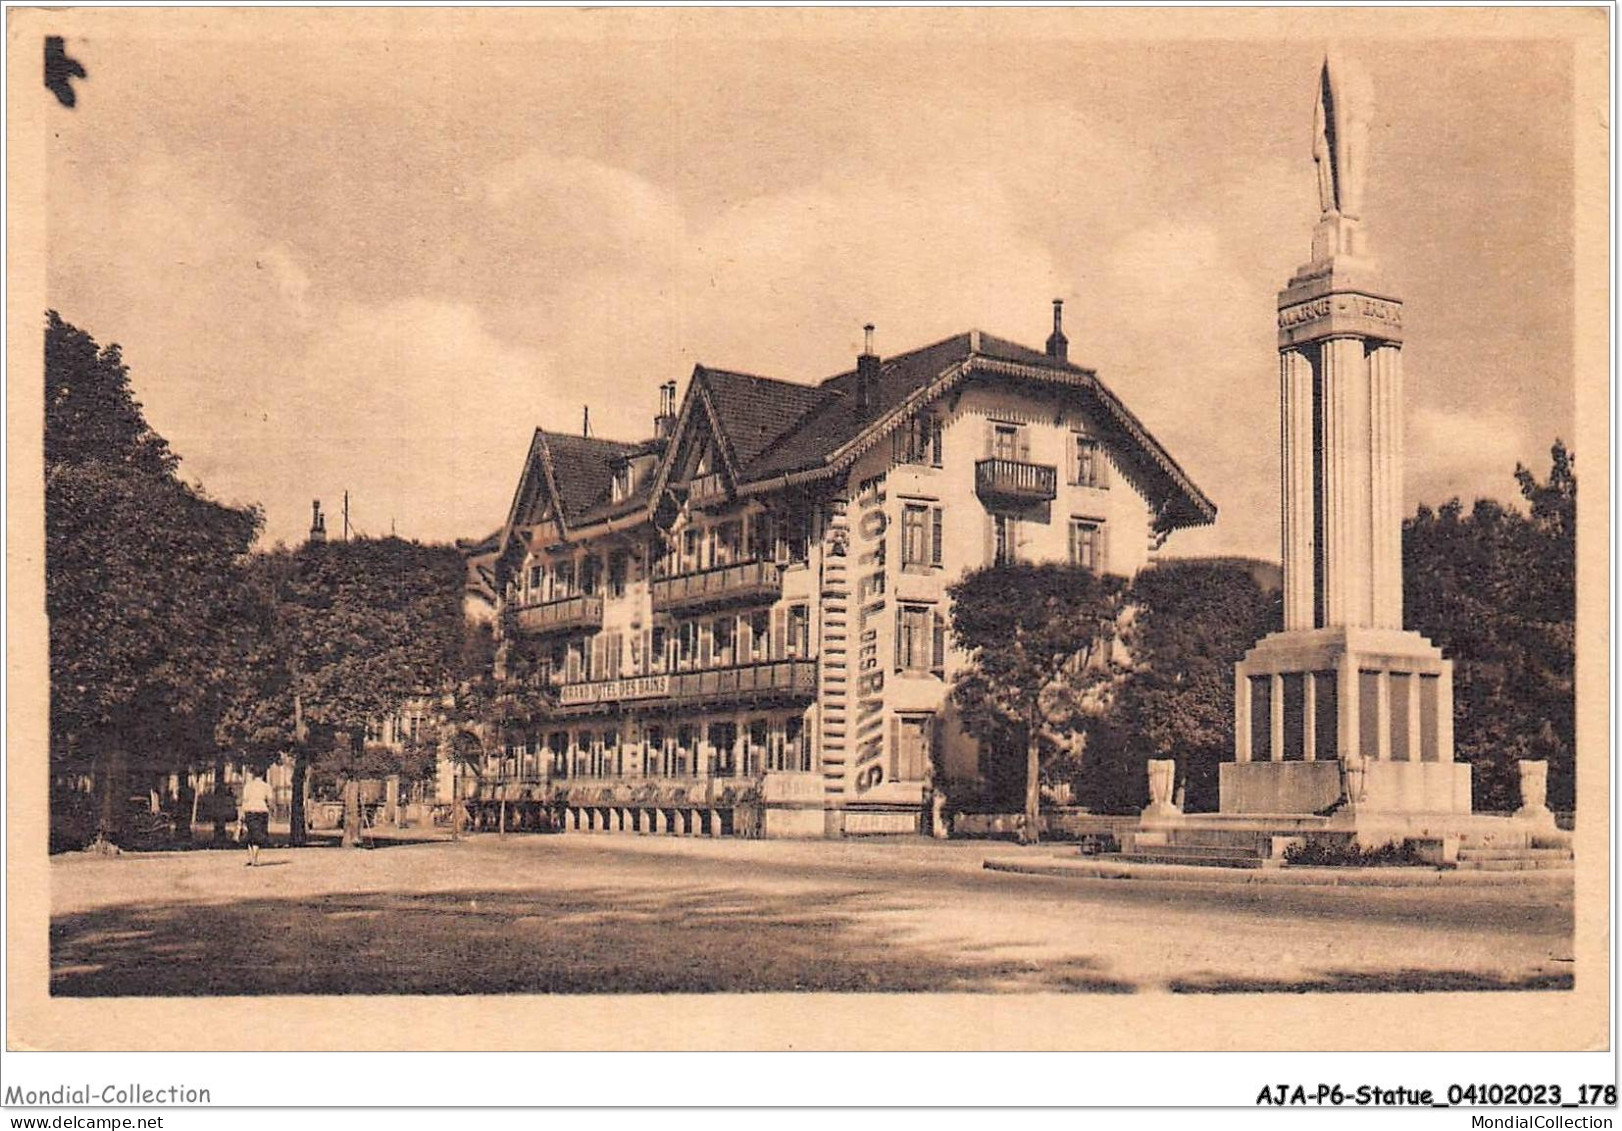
1206	859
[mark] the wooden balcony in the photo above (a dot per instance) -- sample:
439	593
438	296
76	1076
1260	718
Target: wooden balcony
571	614
747	583
771	679
1015	481
766	681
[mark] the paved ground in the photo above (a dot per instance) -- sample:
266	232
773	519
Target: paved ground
577	914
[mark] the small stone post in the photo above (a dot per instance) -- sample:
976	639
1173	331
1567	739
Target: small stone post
1162	773
1535	793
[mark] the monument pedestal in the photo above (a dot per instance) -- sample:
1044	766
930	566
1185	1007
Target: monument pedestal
1344	719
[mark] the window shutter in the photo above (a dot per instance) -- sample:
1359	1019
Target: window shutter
936	549
779	633
895	745
1075	550
935	440
937	659
900	634
1024	435
991	439
1103	548
704	638
1101	464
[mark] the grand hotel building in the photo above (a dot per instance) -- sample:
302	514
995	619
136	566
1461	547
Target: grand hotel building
739	626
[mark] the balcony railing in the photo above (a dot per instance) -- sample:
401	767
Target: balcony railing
749	582
570	614
766	679
706	490
773	679
1015	480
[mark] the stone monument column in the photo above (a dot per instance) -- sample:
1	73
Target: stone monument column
1343	681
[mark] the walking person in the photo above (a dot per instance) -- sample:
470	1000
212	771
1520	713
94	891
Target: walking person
253	811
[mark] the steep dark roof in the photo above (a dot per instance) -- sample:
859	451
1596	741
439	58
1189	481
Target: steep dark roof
833	422
772	428
583	468
753	411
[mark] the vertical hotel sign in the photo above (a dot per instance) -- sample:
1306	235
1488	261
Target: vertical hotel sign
871	529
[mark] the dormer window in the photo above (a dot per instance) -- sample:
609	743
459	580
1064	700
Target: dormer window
623	482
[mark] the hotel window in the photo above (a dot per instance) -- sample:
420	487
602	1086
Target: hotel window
919	441
686	643
1087	544
755	755
760	627
723	753
728	543
557	744
1008	441
591	569
1087	465
582	754
792	537
686	742
798	644
920	640
658	648
613	759
1004	539
914	738
574	663
535	578
689	549
797	743
653	756
563	580
921	529
618	562
725	634
612	647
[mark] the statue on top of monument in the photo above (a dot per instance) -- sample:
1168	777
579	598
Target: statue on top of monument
1341	136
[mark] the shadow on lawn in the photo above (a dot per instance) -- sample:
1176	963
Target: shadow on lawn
694	940
1373	982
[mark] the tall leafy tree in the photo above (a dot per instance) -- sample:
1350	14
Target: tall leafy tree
1039	639
1187	623
141	583
1495	588
361	627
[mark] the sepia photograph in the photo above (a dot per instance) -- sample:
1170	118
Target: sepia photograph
694	529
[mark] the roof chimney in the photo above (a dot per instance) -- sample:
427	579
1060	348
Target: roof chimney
1058	344
867	374
665	423
318	523
585	421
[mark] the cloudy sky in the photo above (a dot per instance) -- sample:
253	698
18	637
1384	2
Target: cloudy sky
375	258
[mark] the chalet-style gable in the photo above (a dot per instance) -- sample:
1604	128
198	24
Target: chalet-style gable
828	439
727	420
565	479
740	433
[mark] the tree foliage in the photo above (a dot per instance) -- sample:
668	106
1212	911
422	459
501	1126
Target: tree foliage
1039	639
1187	623
141	581
1495	589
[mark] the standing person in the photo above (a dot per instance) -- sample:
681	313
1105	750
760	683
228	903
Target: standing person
254	813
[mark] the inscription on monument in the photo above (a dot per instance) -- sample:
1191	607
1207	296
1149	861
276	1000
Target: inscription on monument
1334	315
